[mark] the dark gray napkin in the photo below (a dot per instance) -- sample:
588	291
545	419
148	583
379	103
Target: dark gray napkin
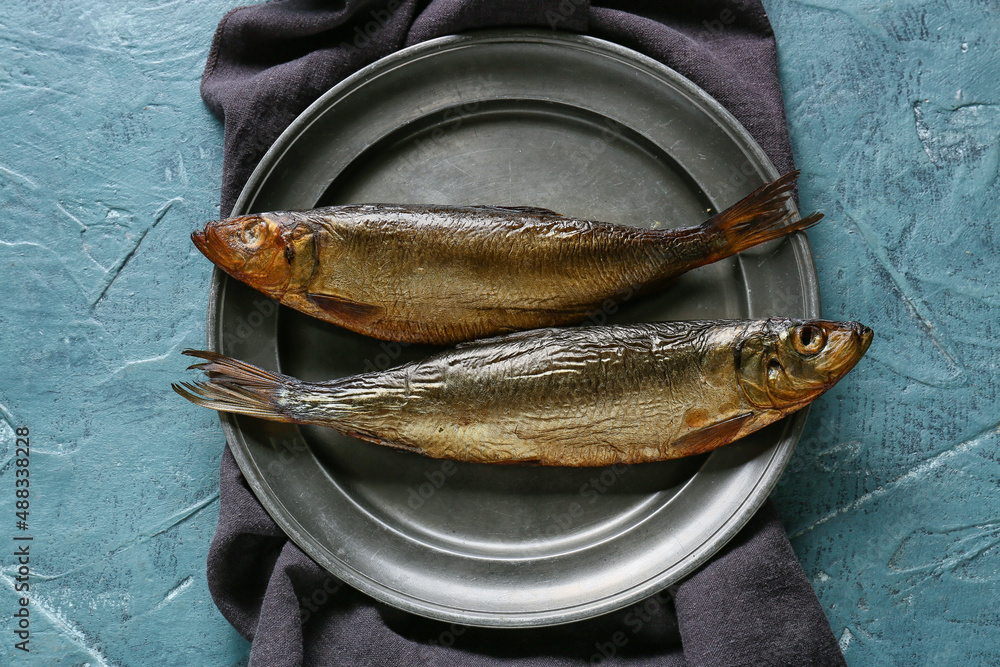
750	605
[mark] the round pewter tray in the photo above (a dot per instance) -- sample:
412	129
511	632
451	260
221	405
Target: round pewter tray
583	127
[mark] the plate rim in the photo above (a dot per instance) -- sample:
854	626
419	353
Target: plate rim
699	554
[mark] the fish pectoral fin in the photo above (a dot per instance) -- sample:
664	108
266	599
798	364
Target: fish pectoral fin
710	437
528	210
345	308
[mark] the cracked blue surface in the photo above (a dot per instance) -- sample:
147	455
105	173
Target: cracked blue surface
892	499
110	159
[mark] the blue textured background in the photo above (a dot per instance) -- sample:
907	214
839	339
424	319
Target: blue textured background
892	500
109	160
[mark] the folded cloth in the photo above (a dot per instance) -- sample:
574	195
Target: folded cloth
750	605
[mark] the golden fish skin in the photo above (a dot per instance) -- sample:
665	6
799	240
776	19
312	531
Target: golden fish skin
587	396
440	274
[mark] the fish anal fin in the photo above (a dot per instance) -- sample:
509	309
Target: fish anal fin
345	309
389	439
531	461
710	437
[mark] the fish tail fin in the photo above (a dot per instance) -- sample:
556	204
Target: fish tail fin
236	386
759	217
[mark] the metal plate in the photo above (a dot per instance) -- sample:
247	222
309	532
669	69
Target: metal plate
570	123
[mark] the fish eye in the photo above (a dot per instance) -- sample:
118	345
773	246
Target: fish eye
808	339
253	233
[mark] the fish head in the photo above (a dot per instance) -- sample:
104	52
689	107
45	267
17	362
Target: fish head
787	363
264	250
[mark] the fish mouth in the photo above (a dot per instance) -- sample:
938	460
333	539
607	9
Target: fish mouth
848	343
213	246
200	241
853	348
208	243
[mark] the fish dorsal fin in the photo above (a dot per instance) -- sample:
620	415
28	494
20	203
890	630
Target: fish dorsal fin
527	210
507	336
710	437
